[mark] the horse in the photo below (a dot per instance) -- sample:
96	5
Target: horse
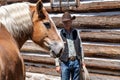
20	22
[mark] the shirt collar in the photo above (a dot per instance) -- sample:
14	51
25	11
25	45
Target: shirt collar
64	31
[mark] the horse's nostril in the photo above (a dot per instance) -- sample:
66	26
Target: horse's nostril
61	51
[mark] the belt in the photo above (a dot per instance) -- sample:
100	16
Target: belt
72	58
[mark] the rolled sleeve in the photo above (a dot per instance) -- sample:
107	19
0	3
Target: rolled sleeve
57	62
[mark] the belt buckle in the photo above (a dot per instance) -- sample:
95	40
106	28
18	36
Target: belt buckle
72	58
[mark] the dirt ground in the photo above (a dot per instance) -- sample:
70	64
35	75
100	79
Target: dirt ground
38	76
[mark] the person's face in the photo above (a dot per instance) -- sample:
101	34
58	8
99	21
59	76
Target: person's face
67	24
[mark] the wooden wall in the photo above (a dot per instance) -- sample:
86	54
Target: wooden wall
99	26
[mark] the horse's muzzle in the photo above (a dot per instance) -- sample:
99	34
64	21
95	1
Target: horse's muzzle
56	49
55	55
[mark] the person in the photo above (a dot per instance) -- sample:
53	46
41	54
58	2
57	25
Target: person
69	64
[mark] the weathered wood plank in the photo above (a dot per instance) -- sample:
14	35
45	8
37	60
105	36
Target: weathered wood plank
102	36
103	71
94	63
103	64
90	7
39	59
92	22
90	50
30	46
51	71
109	37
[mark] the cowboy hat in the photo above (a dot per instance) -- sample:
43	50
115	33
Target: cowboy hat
66	16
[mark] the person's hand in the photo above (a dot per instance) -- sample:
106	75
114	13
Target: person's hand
58	69
83	63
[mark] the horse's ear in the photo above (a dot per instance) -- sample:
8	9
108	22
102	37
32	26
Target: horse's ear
39	7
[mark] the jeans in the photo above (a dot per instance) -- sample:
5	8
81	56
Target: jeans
70	69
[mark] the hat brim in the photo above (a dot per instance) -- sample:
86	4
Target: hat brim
72	18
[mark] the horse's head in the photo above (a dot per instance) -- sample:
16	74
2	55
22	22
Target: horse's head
44	31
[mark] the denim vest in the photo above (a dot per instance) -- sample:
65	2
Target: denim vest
77	45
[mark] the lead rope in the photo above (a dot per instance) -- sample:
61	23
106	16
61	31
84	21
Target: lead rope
86	74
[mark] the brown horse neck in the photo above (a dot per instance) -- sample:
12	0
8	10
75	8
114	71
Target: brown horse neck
21	41
5	36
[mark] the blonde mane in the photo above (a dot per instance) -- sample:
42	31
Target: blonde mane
16	18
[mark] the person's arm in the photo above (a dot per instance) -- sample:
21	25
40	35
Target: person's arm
82	54
81	49
86	73
57	64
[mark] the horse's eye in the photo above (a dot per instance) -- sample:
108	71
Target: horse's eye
47	25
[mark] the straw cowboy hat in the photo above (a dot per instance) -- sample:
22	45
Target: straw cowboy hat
67	16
